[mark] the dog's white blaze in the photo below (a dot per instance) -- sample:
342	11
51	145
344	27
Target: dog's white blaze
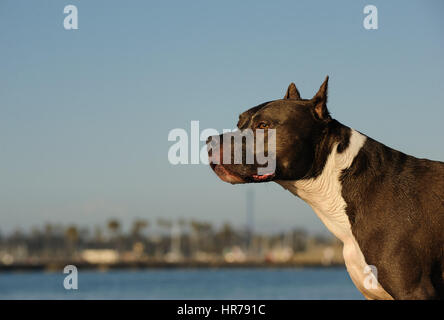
324	195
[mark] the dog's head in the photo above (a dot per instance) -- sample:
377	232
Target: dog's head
276	140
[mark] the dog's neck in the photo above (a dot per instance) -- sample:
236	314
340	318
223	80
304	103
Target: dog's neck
323	190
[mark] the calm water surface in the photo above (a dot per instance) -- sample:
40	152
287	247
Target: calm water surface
184	284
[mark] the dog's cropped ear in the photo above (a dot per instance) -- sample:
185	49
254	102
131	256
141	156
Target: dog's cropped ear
320	102
292	92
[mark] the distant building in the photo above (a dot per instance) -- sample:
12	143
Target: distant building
100	256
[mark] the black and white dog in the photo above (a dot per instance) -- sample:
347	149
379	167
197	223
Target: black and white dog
385	206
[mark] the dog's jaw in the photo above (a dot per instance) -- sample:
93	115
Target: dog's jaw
225	175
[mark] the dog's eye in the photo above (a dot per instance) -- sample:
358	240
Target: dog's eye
262	125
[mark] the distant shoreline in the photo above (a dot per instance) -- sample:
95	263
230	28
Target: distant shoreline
55	267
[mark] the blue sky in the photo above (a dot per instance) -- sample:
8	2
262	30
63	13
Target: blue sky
85	114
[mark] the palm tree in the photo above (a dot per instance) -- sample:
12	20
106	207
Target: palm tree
138	227
71	236
114	227
164	224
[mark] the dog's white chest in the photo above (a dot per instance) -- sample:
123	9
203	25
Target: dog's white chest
324	195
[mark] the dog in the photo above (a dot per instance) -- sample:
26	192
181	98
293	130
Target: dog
386	207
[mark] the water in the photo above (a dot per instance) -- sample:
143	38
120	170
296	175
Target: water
184	284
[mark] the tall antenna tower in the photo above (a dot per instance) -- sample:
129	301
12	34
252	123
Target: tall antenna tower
250	199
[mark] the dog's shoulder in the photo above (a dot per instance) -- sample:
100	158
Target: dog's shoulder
382	174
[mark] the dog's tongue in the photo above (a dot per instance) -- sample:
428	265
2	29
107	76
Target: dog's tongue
262	177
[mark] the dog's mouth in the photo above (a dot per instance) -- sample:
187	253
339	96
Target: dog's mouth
228	173
263	177
229	176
